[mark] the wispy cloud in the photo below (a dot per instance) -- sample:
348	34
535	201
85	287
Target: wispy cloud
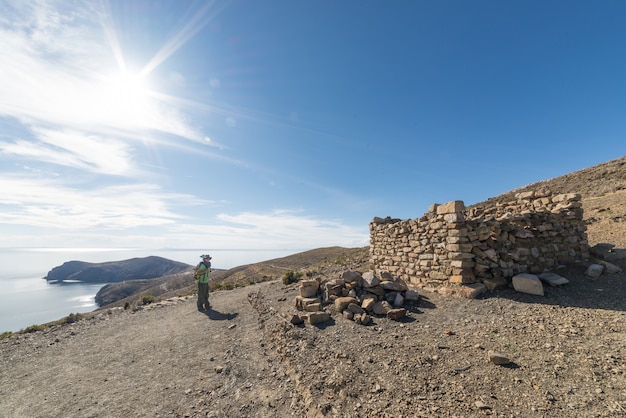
296	230
47	204
74	149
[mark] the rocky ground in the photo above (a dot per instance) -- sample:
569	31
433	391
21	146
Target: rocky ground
565	353
245	359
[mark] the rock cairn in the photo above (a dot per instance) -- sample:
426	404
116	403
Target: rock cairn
355	296
480	246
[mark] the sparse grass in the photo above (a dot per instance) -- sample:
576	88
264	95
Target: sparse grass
71	318
291	276
33	328
6	334
221	286
147	299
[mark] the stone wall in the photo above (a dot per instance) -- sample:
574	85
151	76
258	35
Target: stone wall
487	244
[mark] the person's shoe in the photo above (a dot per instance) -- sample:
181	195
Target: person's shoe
200	308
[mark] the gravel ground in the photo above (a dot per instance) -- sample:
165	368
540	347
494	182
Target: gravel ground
245	359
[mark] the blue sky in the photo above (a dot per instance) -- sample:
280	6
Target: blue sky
291	124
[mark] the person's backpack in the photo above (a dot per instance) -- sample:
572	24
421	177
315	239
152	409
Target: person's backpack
199	272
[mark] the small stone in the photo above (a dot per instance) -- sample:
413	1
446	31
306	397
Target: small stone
396	314
369	279
481	405
355	308
218	369
351	276
411	296
309	288
610	268
318	317
471	291
296	319
342	303
528	283
494	283
553	279
594	271
381	308
398	300
498	358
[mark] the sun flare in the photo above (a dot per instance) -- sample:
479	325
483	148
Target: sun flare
125	98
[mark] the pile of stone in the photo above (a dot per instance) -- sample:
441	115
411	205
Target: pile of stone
355	296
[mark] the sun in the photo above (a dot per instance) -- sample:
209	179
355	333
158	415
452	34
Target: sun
126	86
127	89
125	98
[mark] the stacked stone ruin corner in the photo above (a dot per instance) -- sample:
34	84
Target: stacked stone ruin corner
452	245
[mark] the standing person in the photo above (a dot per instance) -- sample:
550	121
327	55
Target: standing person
202	273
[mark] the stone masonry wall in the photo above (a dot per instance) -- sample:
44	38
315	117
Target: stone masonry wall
452	244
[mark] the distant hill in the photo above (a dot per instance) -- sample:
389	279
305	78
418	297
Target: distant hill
115	271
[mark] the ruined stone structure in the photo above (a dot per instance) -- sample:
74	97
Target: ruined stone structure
452	244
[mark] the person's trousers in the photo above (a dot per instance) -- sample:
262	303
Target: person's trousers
203	295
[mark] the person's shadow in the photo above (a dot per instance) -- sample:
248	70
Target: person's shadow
218	316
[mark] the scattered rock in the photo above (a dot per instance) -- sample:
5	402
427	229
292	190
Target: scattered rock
396	313
495	283
610	268
318	317
471	291
370	279
594	271
527	283
309	288
296	319
411	296
553	279
381	308
342	303
481	405
498	358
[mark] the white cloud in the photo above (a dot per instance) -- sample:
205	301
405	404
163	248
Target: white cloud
74	149
47	204
287	227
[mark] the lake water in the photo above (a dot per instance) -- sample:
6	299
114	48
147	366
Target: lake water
27	299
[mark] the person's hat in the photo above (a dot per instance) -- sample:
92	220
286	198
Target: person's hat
205	256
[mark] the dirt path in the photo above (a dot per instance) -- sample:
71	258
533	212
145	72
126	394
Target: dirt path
166	361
